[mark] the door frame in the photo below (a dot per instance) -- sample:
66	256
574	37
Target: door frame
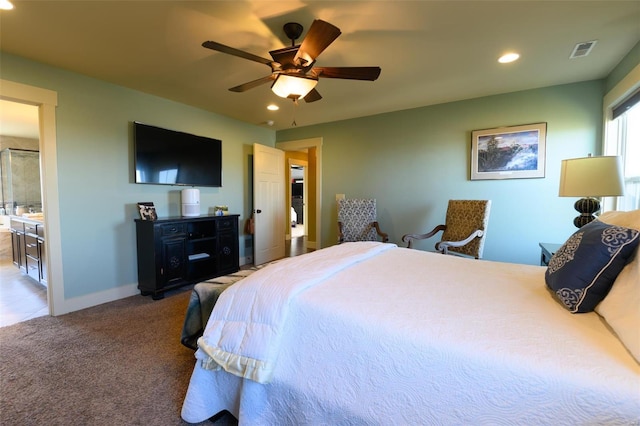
297	145
46	101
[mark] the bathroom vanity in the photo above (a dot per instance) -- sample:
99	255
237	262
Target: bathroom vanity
28	248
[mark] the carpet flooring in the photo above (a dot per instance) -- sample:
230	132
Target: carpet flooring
120	363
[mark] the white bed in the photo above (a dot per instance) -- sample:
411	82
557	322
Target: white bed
408	337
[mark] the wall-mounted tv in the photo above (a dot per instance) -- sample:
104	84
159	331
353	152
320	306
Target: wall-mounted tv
169	157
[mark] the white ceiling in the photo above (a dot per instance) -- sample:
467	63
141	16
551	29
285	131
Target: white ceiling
430	52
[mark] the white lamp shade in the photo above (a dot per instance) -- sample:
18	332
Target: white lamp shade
289	86
591	177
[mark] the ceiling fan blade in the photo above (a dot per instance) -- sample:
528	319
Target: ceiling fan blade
320	35
312	96
235	52
285	56
349	73
255	83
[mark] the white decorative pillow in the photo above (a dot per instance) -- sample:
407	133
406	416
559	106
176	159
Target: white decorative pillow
621	307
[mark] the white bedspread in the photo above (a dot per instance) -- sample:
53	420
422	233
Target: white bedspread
409	337
245	328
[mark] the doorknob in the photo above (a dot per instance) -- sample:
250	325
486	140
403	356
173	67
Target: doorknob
258	211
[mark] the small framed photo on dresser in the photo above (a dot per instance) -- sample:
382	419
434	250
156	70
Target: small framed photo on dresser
147	211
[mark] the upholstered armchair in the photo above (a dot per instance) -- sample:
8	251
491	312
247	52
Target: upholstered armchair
357	221
464	231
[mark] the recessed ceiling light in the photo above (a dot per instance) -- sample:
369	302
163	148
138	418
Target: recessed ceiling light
273	107
509	57
6	5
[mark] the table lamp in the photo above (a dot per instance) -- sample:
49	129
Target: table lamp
590	177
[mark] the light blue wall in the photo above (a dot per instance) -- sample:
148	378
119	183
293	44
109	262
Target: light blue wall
414	161
95	169
630	61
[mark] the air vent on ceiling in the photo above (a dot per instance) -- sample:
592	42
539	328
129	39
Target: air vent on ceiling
583	49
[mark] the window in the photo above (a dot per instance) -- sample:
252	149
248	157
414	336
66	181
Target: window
622	138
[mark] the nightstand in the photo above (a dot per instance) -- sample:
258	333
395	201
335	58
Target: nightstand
548	250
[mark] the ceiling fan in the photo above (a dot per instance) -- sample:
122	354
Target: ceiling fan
293	71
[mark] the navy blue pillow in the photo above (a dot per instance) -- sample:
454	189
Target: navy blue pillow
582	271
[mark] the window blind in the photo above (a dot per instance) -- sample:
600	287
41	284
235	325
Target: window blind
625	105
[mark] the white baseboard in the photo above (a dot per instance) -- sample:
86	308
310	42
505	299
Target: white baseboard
94	299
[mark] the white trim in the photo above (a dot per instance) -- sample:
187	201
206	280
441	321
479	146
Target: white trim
304	163
46	101
95	299
311	143
626	87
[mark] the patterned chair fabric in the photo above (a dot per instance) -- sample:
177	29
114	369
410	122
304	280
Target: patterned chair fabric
464	231
464	217
357	219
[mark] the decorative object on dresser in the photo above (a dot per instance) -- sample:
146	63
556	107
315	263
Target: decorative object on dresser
175	252
590	177
147	211
190	202
221	210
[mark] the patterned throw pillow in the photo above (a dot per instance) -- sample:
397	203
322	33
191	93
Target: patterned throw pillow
582	271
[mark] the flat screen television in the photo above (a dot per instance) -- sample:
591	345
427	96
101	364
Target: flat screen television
169	157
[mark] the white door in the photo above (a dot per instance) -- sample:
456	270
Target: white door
268	204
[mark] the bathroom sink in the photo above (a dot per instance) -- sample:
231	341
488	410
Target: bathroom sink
35	216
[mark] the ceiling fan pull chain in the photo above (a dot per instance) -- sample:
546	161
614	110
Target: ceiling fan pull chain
295	108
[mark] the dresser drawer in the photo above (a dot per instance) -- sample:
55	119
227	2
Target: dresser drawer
225	224
172	229
17	225
30	228
31	246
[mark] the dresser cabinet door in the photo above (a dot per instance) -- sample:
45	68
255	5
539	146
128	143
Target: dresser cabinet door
227	253
174	261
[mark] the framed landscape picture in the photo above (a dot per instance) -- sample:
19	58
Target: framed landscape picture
514	152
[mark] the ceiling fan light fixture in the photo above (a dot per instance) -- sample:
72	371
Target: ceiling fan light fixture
289	86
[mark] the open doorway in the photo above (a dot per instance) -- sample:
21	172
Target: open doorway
45	100
308	153
23	293
297	207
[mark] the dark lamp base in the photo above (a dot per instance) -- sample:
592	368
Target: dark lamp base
586	207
